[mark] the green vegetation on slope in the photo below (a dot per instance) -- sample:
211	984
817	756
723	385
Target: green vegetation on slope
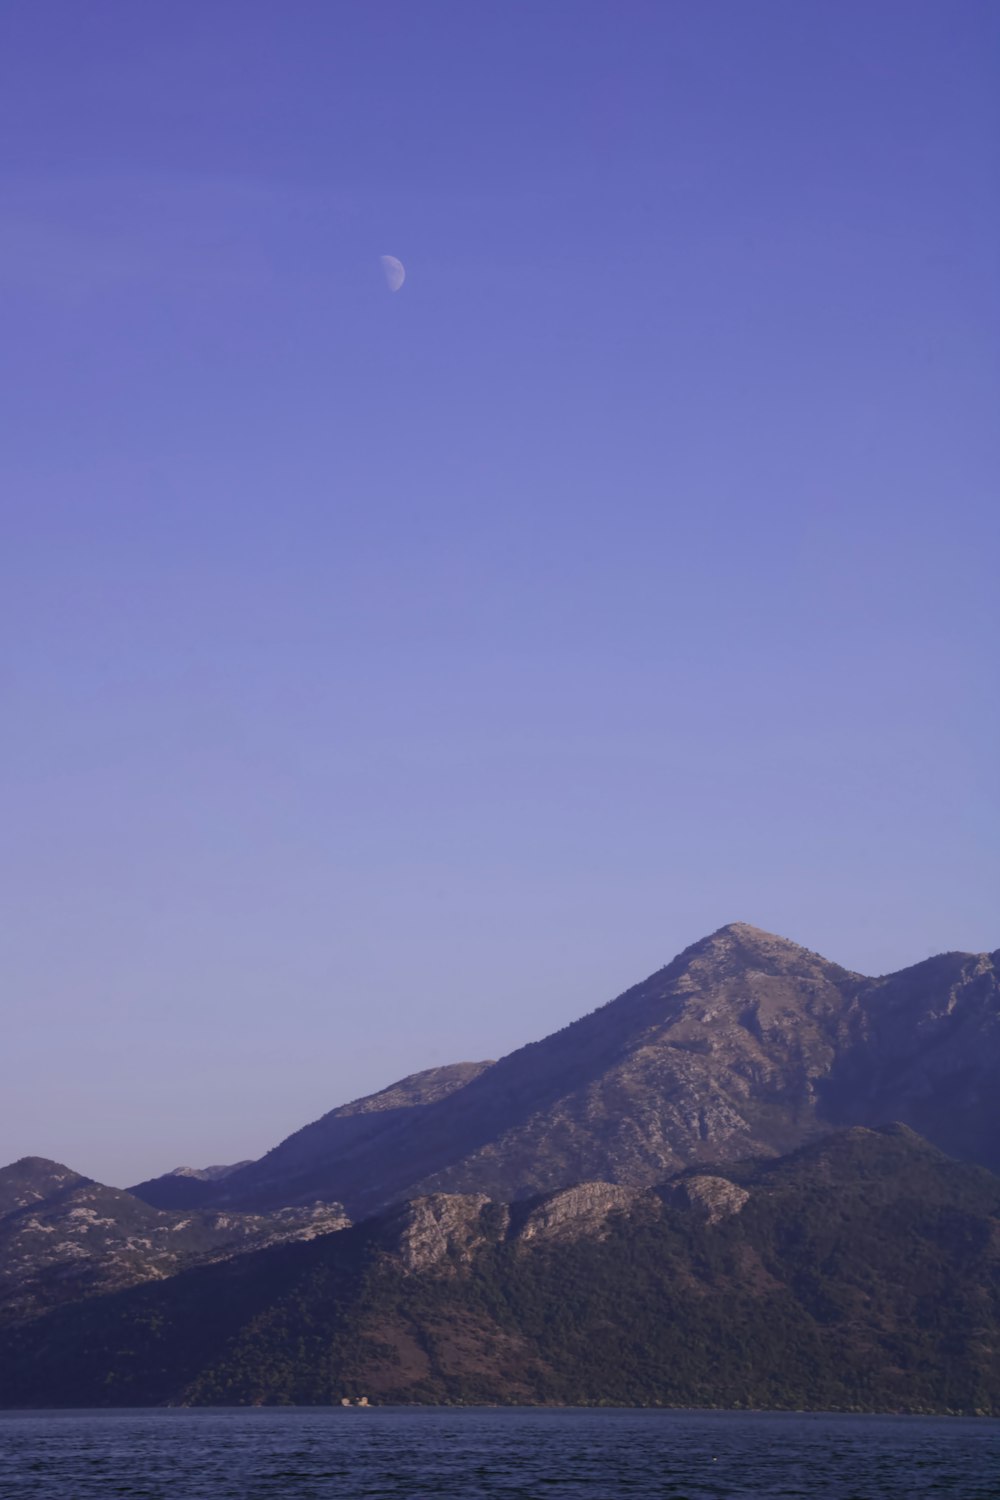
862	1273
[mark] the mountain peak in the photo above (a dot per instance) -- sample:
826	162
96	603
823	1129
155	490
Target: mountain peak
33	1179
738	945
747	930
749	936
28	1164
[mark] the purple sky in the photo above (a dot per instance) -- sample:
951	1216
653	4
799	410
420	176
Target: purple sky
389	679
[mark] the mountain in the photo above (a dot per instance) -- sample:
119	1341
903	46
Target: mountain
63	1236
32	1180
923	1046
745	1045
861	1272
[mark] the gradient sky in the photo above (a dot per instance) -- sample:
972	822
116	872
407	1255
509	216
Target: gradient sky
390	679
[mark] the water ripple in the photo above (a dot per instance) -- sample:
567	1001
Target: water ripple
384	1453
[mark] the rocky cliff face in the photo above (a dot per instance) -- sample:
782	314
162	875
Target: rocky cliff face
444	1228
713	1198
581	1212
447	1230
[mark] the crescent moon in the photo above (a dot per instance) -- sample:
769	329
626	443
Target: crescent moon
395	272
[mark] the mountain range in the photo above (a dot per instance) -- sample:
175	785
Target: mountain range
784	1139
745	1045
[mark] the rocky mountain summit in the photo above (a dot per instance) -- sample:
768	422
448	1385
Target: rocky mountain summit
746	1045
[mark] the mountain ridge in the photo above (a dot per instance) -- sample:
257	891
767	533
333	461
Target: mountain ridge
746	1043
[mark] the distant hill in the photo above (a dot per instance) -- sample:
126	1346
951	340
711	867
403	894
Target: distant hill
299	1169
745	1045
63	1237
861	1272
32	1180
184	1187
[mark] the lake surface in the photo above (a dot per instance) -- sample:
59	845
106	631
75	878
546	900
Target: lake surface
301	1453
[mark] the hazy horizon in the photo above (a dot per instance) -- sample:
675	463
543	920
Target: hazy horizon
392	677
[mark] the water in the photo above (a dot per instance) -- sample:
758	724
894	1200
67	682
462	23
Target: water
301	1453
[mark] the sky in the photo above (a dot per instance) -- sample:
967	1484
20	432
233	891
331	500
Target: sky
389	678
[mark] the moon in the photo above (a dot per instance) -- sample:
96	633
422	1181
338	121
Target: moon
395	272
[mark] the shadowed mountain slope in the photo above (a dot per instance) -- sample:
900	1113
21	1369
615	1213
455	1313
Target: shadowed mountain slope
862	1271
923	1046
184	1187
299	1168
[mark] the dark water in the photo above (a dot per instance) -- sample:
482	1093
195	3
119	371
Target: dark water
301	1453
